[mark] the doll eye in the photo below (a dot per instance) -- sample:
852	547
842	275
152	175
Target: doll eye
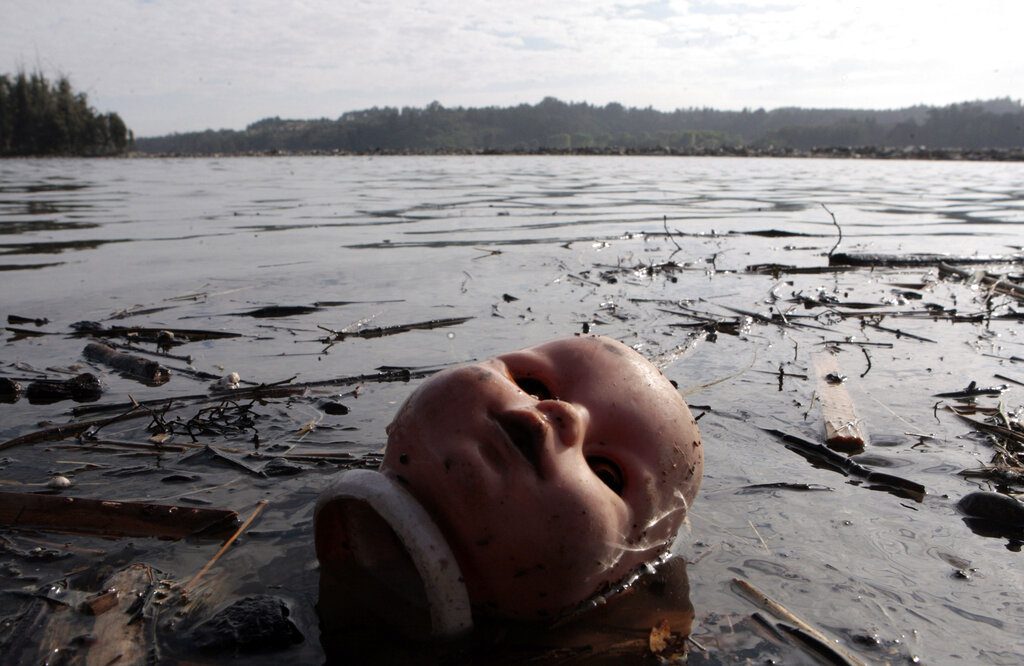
609	473
534	387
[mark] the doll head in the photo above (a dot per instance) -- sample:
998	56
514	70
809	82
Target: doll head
552	471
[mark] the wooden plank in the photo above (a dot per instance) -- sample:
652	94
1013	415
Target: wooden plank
843	429
119	635
112	518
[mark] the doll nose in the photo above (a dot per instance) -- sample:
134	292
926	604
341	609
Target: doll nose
569	421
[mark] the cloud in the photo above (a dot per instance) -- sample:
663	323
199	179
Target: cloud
190	65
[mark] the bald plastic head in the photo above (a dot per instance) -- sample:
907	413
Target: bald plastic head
553	471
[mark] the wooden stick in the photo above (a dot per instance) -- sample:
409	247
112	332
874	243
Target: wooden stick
111	518
763	601
227	544
65	430
135	366
843	429
917	259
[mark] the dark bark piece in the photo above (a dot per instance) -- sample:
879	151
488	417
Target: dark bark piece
112	518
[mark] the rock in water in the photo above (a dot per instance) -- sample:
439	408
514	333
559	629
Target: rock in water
993	506
258	622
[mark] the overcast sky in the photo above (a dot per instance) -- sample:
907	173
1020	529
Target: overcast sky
181	65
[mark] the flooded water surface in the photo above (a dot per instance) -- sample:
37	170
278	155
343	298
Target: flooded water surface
327	269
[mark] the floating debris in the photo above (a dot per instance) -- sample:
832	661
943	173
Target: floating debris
81	388
59	483
148	334
276	311
10	390
382	331
135	367
112	518
973	391
868	259
18	320
228	382
844	430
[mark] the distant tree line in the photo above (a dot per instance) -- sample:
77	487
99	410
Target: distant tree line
38	117
556	125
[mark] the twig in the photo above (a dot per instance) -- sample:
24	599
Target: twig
690	390
763	601
898	333
766	548
868	357
810	405
227	544
835	222
66	430
664	222
857	343
1008	379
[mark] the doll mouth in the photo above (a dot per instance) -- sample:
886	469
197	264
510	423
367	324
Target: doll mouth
525	432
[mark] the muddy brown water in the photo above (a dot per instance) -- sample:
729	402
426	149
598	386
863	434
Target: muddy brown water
533	248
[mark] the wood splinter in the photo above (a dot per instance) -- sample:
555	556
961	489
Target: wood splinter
843	429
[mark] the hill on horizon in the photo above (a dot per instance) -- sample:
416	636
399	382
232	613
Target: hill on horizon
552	124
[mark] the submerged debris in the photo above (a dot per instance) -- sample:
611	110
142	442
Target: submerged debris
149	334
382	331
258	622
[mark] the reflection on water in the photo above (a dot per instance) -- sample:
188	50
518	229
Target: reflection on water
655	611
522	249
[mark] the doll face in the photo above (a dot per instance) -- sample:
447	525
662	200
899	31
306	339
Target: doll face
552	471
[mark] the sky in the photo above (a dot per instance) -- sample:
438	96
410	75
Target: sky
184	65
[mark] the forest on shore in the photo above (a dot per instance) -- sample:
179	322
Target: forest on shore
996	126
40	117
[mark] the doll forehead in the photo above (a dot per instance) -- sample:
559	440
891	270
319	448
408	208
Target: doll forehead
596	366
581	356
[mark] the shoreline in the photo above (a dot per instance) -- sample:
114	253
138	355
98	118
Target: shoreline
835	152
